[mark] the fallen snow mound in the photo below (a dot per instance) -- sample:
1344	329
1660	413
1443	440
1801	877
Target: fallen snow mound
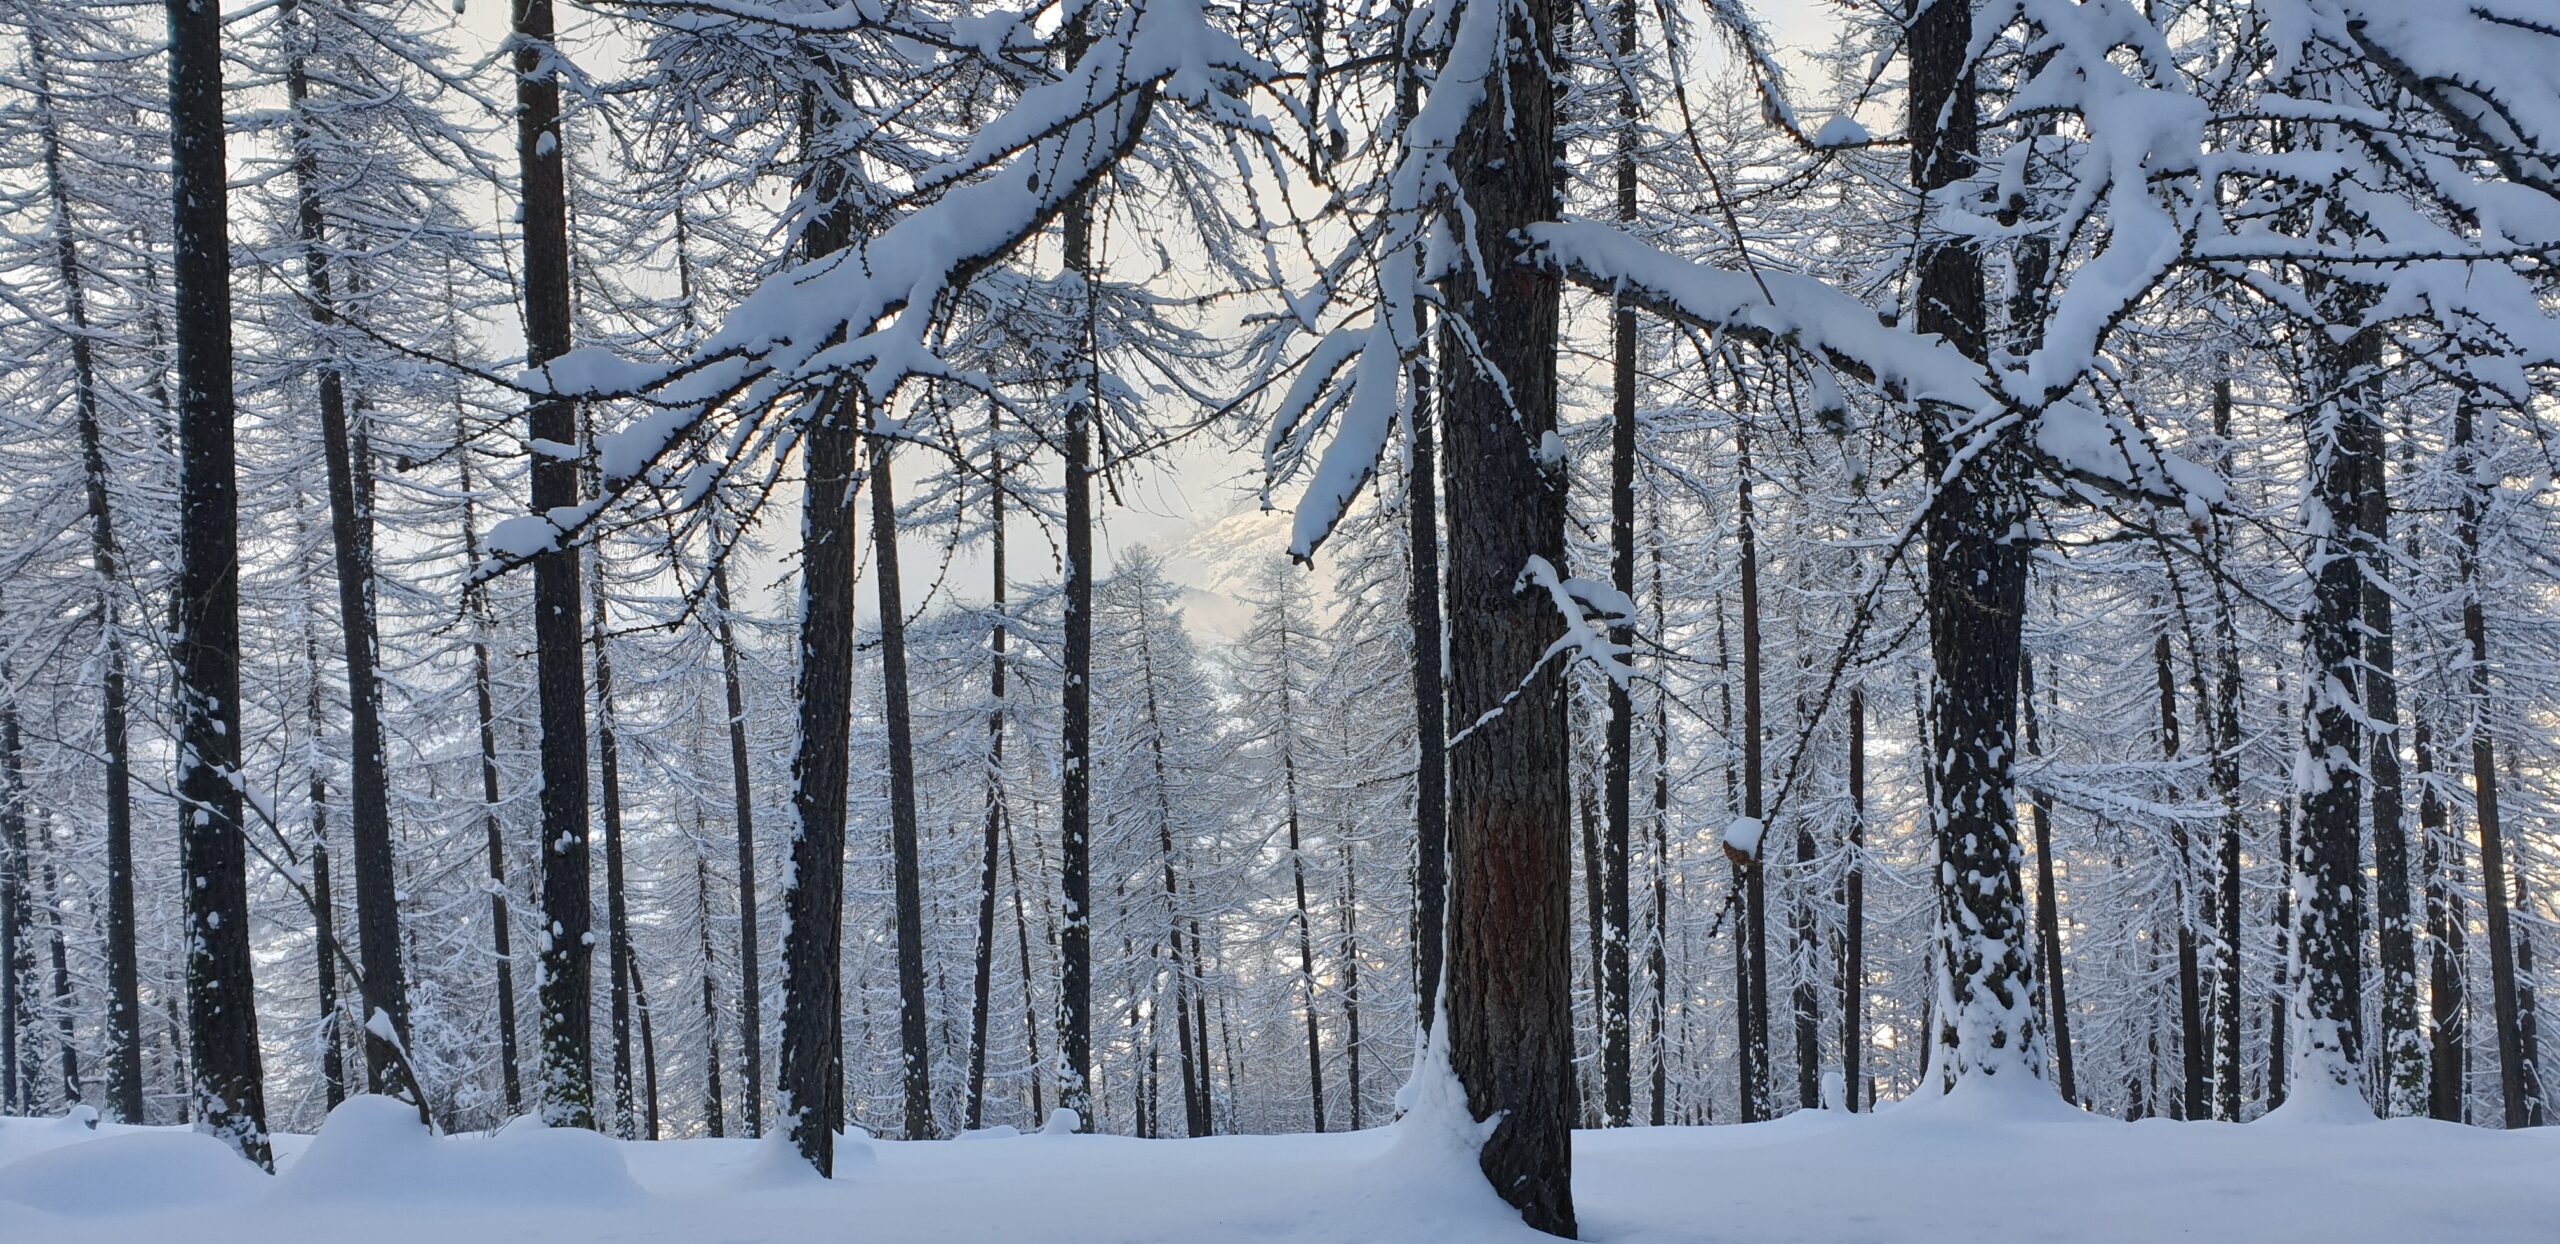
375	1149
135	1171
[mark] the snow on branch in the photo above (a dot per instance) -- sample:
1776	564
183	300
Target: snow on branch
1780	310
867	314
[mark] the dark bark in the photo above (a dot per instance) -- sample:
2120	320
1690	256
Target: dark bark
1350	959
812	997
1075	797
915	1056
715	1110
66	1043
1298	876
1510	973
2225	774
1617	1093
2402	1051
324	905
2048	912
742	797
1976	594
17	1078
484	711
1422	615
1754	983
2506	1011
567	1078
1030	1005
1853	937
2447	1009
385	984
810	1087
124	1008
618	966
229	1088
648	1048
2193	1044
2328	856
1657	964
982	980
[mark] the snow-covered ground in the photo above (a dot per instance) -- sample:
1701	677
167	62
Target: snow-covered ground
1939	1172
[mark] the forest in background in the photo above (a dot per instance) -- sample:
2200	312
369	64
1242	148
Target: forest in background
2011	546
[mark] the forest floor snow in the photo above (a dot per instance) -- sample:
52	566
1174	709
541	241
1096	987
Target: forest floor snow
1925	1173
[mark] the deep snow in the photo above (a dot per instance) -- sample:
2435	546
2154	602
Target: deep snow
1943	1171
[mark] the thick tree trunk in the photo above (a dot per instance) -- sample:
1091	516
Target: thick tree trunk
2328	849
915	1056
813	902
229	1089
1976	596
567	1078
1510	973
124	1008
1429	932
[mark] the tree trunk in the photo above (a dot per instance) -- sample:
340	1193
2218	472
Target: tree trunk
2403	1066
1853	937
616	904
1754	985
1075	801
66	1044
1306	929
1976	597
2048	911
485	714
1617	1093
324	906
2447	1055
1657	958
915	1056
1510	972
385	985
1030	1004
2505	1008
2192	1041
567	1079
17	1094
1350	959
124	1008
229	1089
742	795
983	980
715	1110
2328	850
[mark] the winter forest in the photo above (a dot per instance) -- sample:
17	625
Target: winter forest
1407	584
